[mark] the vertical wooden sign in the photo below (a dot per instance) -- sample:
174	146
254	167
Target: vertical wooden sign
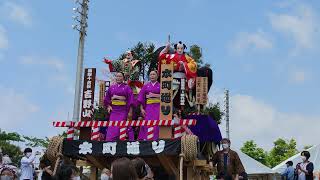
87	107
202	90
166	91
102	91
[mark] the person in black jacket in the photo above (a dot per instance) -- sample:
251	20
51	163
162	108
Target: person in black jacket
304	170
47	173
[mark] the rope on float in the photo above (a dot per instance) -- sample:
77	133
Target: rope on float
54	151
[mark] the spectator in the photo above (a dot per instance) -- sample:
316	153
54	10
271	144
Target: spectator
304	170
67	172
288	173
141	168
123	169
149	174
7	170
45	165
243	175
6	160
105	174
228	163
27	165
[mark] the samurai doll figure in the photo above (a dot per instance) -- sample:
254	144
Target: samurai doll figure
128	66
130	69
181	61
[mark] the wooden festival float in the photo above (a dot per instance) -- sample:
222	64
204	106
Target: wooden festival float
187	140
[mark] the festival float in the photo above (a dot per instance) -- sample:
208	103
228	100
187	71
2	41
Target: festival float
164	121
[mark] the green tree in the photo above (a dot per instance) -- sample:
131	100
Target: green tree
196	54
307	147
9	140
213	110
100	113
12	150
7	146
282	150
36	142
10	136
251	149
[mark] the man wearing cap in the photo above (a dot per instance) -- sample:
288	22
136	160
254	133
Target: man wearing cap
288	173
228	163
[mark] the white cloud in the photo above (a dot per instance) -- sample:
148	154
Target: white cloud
52	62
17	13
19	114
253	119
15	109
57	78
4	42
246	42
301	25
63	81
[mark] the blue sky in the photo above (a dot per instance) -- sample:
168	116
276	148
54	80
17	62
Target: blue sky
265	52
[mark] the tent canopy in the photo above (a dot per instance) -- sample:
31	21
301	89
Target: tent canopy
252	166
314	158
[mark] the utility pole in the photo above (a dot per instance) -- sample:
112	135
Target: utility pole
82	25
226	111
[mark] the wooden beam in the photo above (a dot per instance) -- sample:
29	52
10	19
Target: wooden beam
190	173
199	162
169	166
83	163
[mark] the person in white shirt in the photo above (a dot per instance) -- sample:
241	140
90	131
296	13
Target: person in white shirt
27	165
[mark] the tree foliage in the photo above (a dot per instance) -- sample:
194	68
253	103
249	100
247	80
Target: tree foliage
13	151
100	113
251	149
7	146
196	53
306	147
10	136
147	54
213	110
282	150
36	142
9	141
143	52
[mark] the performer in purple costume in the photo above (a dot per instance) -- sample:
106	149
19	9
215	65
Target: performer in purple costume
149	100
118	101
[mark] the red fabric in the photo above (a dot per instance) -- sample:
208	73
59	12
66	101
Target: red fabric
138	84
176	58
109	62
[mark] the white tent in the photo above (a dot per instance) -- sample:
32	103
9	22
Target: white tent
314	158
252	166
